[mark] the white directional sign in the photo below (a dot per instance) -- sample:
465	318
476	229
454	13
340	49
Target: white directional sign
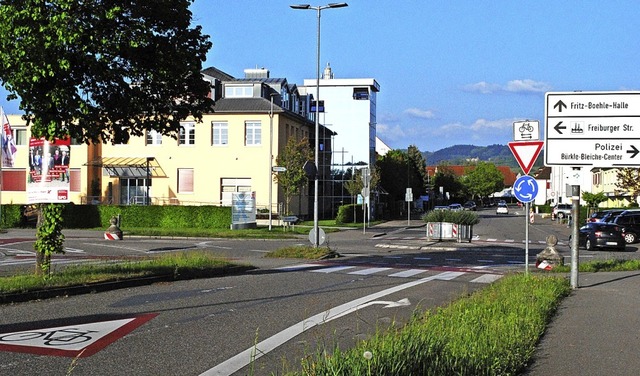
528	130
599	129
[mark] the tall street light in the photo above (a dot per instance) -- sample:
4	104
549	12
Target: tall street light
318	9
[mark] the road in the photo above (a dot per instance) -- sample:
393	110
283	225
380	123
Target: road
261	322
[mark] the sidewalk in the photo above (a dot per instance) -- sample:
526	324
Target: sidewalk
596	330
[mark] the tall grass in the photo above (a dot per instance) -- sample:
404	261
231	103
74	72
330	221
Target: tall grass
492	332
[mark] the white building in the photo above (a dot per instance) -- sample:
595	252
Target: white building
350	111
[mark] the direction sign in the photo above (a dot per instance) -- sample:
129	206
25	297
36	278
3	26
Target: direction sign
526	153
278	169
592	129
525	188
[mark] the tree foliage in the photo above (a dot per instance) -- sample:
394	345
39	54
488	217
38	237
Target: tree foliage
293	158
448	181
629	181
400	170
100	70
594	199
483	180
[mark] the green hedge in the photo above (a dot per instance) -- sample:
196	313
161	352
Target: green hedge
458	217
92	216
346	214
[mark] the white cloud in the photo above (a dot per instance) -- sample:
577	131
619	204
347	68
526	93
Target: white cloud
513	86
418	113
527	86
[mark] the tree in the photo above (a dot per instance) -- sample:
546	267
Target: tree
418	170
355	185
594	199
629	181
100	71
448	181
483	180
293	158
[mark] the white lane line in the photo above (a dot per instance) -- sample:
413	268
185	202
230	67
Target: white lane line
118	247
407	273
369	271
237	362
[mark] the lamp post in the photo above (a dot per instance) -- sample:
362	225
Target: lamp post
270	160
318	9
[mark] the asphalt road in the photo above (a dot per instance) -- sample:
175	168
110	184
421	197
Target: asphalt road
261	322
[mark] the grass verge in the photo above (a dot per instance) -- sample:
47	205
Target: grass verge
602	266
492	332
173	266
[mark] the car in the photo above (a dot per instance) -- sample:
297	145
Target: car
629	221
440	207
597	216
470	205
611	215
601	235
502	209
561	211
455	207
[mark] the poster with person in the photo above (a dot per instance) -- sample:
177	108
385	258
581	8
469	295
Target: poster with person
48	179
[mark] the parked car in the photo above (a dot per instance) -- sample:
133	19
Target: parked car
601	235
502	209
611	215
561	211
629	221
455	207
597	216
440	207
470	205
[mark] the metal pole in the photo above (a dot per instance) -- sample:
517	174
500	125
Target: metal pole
317	117
575	253
316	182
270	160
526	238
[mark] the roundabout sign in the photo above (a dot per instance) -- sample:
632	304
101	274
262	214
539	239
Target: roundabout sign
525	189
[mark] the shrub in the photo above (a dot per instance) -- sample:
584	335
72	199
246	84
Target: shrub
457	217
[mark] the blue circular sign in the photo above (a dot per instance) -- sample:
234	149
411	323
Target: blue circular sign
525	188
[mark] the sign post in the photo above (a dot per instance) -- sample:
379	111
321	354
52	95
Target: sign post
526	189
599	129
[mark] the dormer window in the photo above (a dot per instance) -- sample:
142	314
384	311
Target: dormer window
238	91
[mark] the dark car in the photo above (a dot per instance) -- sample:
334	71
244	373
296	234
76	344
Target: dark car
469	205
597	216
601	235
629	221
611	215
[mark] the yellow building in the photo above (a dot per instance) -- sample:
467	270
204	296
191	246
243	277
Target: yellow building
228	151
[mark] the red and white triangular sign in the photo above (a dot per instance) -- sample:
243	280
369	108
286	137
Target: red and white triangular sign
526	153
79	340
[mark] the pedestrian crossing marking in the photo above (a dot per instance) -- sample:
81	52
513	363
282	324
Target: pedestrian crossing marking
360	270
407	273
369	271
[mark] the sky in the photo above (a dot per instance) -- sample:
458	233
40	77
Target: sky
450	72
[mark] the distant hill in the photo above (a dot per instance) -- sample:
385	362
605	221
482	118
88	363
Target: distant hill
500	155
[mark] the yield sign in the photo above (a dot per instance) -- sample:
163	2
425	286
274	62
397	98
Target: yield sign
526	153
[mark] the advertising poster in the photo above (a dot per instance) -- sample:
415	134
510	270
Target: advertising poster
48	178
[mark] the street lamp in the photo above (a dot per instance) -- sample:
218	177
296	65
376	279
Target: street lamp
318	9
270	159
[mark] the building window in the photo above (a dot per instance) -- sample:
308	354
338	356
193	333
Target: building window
20	136
219	133
238	91
185	180
360	93
187	133
154	137
252	133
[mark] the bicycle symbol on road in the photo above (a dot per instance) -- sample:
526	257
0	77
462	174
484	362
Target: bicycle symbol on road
61	337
